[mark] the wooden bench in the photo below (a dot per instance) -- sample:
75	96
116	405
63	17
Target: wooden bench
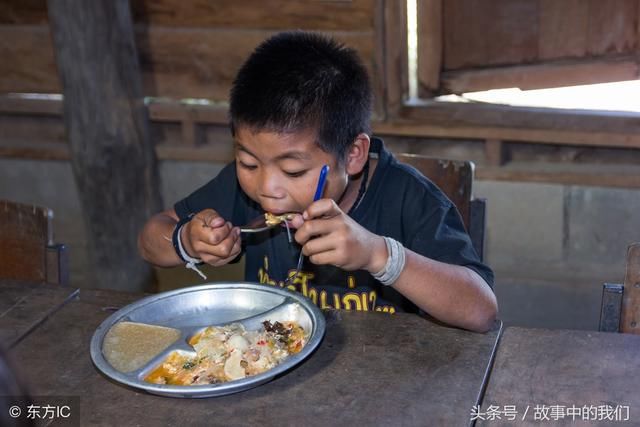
27	249
455	179
620	310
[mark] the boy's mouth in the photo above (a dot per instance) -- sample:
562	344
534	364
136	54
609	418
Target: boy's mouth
280	211
272	219
283	220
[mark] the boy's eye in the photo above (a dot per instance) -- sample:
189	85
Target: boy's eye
246	166
295	174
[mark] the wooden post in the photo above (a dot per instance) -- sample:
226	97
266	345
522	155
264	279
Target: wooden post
494	152
189	129
429	47
630	322
113	161
396	59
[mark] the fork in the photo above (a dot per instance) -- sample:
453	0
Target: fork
322	180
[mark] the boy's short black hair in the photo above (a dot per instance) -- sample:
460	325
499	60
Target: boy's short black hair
295	81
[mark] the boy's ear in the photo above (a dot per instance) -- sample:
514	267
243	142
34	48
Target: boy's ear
358	154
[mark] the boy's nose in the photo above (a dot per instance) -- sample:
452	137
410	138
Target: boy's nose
270	187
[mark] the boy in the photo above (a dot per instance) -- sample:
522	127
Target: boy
382	238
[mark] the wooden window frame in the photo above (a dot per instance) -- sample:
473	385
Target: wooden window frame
489	122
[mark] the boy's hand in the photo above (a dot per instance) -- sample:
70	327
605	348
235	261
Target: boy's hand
212	239
330	236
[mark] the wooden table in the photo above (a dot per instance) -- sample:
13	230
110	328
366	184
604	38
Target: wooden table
553	376
25	305
371	369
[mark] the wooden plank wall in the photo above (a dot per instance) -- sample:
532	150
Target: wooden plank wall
479	33
187	48
192	48
490	44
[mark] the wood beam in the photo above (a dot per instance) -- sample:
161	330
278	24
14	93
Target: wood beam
113	161
542	76
25	105
534	136
176	111
598	175
433	120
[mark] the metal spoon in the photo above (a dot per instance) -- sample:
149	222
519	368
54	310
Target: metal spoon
257	225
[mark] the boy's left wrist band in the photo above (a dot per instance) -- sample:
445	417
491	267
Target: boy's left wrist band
395	263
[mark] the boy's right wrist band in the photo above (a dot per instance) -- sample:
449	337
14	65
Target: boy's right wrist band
395	263
189	261
176	238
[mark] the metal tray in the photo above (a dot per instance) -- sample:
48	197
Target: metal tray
192	309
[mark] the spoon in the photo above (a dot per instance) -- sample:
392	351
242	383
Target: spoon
259	224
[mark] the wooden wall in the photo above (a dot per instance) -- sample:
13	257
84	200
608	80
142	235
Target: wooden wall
187	49
488	44
193	48
506	32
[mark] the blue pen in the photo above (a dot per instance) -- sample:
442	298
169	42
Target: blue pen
322	180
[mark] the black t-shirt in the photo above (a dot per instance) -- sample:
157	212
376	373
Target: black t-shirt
399	203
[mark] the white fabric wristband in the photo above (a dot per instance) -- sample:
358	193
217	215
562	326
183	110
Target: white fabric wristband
395	263
190	262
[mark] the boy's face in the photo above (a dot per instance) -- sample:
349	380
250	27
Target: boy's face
280	170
